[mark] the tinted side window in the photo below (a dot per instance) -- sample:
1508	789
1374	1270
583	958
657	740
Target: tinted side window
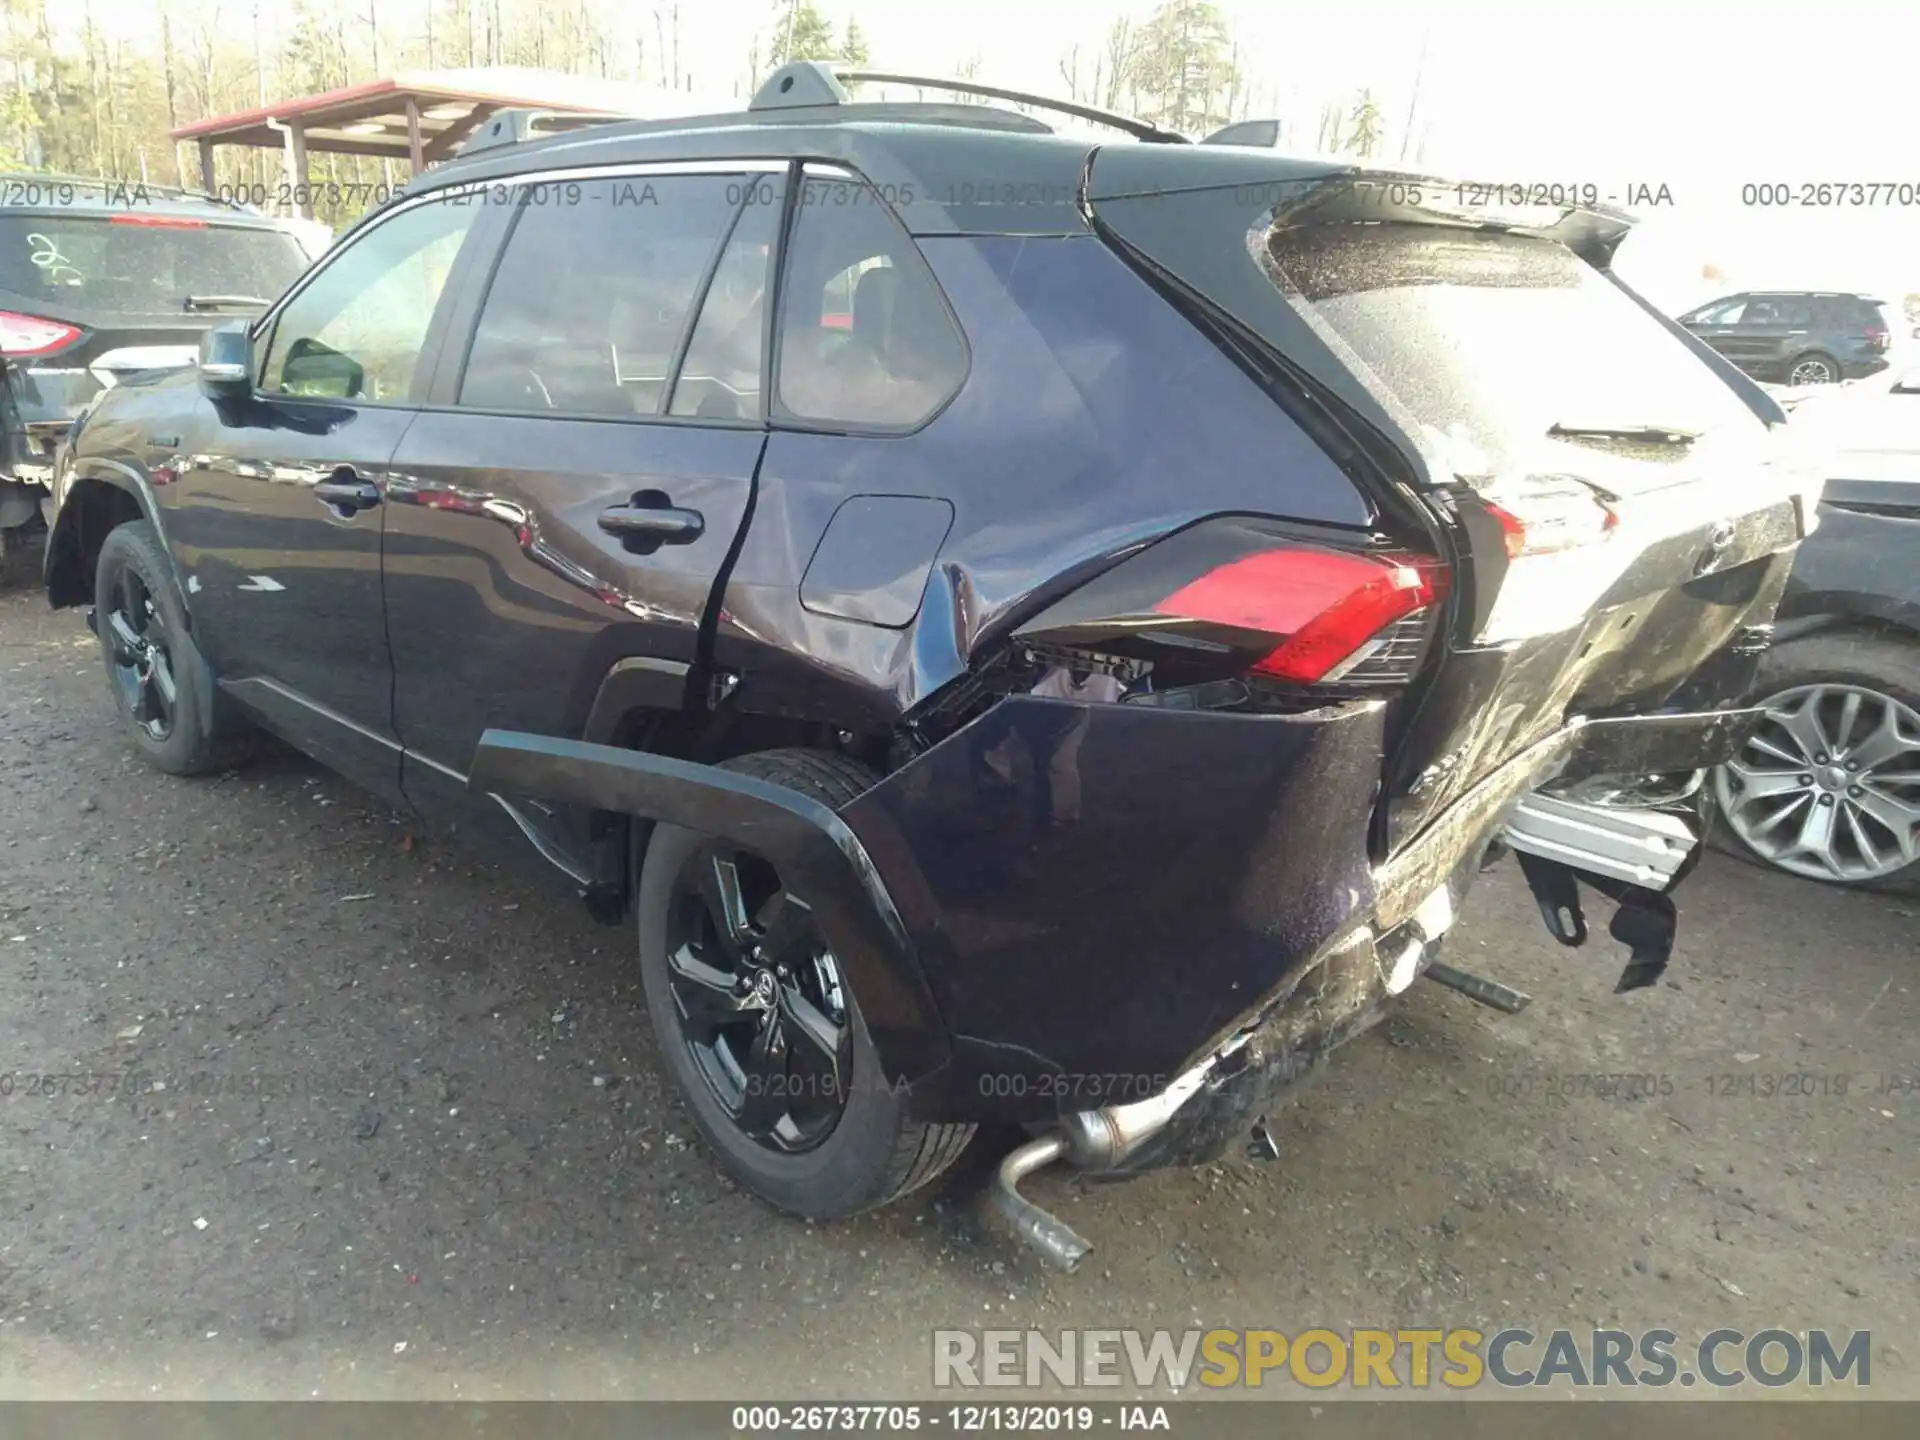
720	378
866	338
1780	310
356	331
593	293
1726	313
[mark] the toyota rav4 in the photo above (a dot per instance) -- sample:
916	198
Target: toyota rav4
1028	631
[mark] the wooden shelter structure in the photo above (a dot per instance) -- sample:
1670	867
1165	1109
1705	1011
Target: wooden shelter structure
420	116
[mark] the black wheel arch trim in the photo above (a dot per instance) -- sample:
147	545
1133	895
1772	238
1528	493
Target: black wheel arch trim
61	539
637	683
819	857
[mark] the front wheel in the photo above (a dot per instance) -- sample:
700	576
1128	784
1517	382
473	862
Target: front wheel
149	656
756	1020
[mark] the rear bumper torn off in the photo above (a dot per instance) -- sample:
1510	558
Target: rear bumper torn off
1066	910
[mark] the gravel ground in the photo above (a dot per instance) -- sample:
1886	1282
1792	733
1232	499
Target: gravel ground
414	1141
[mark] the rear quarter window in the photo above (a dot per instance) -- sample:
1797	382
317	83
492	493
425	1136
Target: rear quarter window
866	339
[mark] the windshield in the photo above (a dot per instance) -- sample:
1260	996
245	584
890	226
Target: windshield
1492	340
133	266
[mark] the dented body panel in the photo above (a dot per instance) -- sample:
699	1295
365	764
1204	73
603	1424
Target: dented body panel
1032	950
1194	674
1093	420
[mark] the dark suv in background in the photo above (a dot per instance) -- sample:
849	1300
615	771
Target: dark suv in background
101	280
1797	337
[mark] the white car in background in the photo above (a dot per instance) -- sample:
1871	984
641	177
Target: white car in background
313	236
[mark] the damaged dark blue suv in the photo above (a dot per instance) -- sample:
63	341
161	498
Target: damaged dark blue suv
1028	630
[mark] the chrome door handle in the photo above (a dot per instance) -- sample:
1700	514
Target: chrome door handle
348	494
665	525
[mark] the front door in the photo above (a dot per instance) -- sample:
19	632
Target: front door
1718	323
564	508
277	511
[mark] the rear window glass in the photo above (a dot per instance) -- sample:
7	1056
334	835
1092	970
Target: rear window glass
120	266
1490	339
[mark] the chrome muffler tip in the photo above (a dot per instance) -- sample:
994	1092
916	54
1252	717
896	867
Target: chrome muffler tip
1053	1238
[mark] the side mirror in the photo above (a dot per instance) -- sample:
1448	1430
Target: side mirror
226	360
321	371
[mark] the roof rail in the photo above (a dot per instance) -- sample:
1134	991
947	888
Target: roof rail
811	83
511	127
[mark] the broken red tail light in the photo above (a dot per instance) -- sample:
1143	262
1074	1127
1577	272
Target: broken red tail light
1879	337
25	335
159	222
1329	606
1545	520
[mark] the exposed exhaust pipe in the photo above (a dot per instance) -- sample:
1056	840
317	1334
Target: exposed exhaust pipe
1092	1140
1052	1237
1107	1139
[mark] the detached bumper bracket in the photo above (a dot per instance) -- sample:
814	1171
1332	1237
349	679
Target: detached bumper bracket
1557	892
1646	921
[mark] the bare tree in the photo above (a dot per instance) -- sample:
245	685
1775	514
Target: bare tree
1330	122
1069	68
1368	126
1118	60
1413	104
173	100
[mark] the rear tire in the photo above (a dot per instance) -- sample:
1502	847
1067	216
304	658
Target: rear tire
1814	368
873	1153
1815	684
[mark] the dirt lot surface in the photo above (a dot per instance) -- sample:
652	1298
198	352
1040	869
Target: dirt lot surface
413	1139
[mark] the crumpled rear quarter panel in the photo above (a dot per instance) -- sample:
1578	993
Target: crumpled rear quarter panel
1101	888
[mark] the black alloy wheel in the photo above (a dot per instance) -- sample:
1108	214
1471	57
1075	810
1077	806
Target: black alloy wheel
140	654
758	1000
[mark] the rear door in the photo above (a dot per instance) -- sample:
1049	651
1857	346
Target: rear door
1617	512
562	510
